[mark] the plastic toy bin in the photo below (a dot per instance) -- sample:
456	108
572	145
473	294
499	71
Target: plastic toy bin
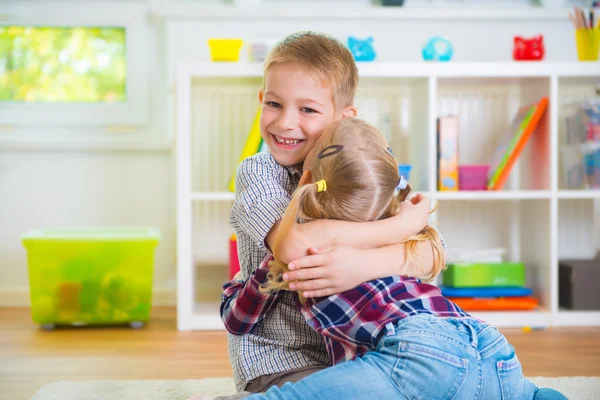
85	276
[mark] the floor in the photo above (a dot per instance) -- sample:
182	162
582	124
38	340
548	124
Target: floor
30	358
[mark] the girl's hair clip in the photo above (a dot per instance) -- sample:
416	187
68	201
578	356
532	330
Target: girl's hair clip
401	185
330	150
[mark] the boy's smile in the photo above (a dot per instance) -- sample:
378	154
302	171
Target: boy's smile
296	108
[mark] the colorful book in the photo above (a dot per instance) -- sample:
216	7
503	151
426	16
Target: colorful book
514	141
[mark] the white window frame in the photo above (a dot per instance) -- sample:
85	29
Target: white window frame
132	17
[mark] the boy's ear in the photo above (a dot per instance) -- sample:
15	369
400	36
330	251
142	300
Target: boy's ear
350	112
306	178
260	96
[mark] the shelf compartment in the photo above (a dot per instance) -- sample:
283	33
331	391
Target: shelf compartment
522	227
485	108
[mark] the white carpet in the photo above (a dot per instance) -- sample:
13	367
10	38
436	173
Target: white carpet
576	388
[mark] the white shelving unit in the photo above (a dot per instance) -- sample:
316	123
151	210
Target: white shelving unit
535	218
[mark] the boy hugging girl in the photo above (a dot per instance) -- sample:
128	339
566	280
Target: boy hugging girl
331	300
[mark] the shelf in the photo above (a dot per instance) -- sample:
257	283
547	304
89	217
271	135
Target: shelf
207	317
577	318
493	195
415	69
579	194
282	12
213	196
515	319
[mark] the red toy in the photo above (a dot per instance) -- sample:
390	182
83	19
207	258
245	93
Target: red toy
234	261
528	49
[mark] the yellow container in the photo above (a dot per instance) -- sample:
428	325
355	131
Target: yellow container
84	276
225	49
588	44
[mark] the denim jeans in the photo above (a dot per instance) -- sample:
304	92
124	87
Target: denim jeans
422	357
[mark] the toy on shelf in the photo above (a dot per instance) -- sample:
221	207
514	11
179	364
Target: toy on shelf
259	49
254	144
581	153
481	274
437	48
447	153
472	177
513	142
404	170
234	261
587	34
531	49
362	49
496	304
227	50
479	285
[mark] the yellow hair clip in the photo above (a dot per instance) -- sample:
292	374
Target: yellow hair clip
321	186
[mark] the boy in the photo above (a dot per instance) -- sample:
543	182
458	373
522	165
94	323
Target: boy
310	81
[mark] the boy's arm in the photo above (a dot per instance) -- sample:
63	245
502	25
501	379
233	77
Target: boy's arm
260	201
243	305
411	219
342	268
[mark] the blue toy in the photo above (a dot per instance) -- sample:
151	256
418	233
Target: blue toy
362	50
437	48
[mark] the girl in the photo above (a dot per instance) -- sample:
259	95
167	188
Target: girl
395	337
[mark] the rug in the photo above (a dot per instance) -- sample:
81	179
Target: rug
576	388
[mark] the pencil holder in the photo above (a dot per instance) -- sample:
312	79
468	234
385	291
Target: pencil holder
588	42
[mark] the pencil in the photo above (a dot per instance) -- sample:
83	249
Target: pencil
573	20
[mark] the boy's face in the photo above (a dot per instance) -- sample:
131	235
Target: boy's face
296	109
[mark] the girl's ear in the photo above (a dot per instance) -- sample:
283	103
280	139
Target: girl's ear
260	96
306	178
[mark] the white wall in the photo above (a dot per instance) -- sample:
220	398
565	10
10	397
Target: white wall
48	188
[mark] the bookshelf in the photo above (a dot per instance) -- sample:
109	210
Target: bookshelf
532	217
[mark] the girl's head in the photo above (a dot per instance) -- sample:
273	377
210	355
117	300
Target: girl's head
350	175
361	174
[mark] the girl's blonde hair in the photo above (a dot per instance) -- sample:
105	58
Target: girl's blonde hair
361	179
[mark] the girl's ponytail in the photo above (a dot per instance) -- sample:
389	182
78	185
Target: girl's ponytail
303	203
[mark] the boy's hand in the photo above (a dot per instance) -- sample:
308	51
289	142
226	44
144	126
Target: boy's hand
327	272
418	209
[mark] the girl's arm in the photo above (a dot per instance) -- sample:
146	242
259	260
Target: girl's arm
411	219
243	305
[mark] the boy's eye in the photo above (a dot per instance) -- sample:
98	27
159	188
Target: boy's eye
273	104
307	110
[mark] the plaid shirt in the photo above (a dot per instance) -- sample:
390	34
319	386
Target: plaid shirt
350	322
281	340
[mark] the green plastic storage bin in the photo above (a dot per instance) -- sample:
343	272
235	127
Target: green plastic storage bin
484	275
91	276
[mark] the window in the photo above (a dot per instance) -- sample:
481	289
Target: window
65	68
62	64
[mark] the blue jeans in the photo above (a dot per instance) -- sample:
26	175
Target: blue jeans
422	357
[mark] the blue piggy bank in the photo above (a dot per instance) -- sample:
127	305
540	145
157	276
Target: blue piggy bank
362	49
437	49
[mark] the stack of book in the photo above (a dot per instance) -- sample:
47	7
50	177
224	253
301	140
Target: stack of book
488	286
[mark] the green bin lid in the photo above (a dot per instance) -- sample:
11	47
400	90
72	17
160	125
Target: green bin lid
93	234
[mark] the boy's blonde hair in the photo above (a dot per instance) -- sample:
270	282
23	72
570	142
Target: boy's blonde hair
324	55
361	180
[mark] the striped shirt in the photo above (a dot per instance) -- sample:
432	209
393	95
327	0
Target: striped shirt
350	322
281	340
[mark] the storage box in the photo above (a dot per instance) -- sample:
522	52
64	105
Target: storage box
473	177
80	276
578	284
485	275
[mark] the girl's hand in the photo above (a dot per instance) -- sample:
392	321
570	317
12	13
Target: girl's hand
326	272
